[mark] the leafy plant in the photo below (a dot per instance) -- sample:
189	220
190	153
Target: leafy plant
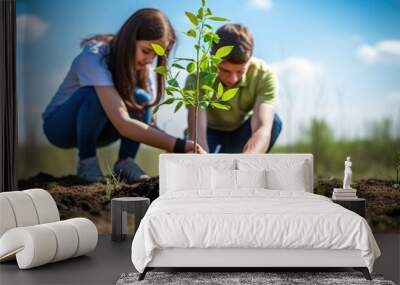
397	185
204	67
113	183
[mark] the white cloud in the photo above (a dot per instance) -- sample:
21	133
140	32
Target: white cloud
261	4
387	51
297	72
30	27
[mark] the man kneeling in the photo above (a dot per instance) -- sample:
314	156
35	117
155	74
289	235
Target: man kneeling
250	125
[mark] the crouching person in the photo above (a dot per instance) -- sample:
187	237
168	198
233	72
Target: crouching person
251	124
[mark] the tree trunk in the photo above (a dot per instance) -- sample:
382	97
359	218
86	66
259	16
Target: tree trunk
195	128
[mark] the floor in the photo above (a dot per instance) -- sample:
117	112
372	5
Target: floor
110	260
103	266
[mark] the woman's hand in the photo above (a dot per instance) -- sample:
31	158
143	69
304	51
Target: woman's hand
154	121
189	147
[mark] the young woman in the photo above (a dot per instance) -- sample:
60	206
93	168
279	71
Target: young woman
106	96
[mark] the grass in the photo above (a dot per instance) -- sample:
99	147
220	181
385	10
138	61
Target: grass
113	183
373	156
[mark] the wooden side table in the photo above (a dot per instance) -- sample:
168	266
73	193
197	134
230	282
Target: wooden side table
120	207
357	205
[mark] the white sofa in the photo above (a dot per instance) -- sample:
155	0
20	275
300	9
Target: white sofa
239	210
31	230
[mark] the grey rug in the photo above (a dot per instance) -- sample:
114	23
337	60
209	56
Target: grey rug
230	278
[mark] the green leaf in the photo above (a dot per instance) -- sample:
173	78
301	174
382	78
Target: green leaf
218	19
159	50
184	59
208	26
204	105
191	67
204	62
211	37
200	13
216	60
170	90
208	13
178	106
173	82
209	78
161	70
229	94
155	109
208	37
197	47
204	65
216	38
178	66
203	3
176	75
169	101
220	90
192	18
223	51
207	88
190	92
191	33
220	106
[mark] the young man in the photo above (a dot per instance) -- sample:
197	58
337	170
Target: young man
250	125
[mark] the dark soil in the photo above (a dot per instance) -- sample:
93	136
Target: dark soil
75	198
383	201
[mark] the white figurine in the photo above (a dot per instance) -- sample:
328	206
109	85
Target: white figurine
347	174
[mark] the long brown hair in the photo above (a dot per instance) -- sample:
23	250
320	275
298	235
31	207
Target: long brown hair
145	24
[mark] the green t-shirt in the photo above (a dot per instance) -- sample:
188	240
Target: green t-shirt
258	84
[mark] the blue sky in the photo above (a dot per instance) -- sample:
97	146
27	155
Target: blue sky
337	60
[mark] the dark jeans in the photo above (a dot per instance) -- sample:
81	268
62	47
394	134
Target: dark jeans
234	141
81	122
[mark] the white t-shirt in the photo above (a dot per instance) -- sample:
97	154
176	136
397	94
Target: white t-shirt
89	68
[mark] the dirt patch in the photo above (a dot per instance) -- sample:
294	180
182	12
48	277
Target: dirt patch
75	198
383	201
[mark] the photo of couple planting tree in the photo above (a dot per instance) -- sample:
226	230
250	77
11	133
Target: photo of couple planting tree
200	79
106	95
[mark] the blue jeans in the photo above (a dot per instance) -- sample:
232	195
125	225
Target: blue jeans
234	141
81	122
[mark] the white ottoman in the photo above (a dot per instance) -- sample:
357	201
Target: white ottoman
31	230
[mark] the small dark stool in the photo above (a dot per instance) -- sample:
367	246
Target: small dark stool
357	205
120	207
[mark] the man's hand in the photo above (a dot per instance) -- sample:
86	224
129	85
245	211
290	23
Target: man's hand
261	126
258	142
